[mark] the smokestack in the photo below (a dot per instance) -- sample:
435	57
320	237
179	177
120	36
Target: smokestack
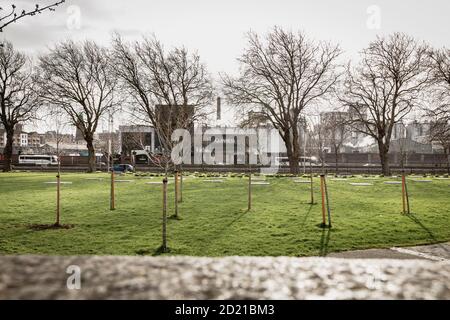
218	109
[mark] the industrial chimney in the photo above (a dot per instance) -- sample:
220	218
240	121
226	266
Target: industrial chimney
218	109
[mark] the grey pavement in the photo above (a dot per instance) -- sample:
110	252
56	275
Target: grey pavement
136	277
436	252
440	249
372	254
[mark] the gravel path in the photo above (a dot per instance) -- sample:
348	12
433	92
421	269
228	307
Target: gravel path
117	277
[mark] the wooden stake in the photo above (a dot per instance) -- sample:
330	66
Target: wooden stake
249	191
58	202
328	202
112	204
181	186
404	193
176	193
164	216
322	191
311	177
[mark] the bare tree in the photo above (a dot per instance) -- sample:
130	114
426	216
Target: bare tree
440	81
78	77
253	120
317	142
280	76
385	87
440	76
440	133
55	118
16	14
440	115
18	97
171	89
336	132
134	141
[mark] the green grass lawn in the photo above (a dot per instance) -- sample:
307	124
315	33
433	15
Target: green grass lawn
214	218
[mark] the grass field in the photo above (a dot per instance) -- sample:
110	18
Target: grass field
214	218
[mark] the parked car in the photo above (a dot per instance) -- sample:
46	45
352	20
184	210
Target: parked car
124	168
303	161
370	165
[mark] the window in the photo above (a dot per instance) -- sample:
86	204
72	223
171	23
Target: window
23	139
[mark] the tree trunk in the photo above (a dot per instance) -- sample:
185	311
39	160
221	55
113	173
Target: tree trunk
384	158
401	162
58	199
164	217
311	182
7	152
176	193
181	186
446	152
336	155
249	204
294	167
293	152
112	196
91	154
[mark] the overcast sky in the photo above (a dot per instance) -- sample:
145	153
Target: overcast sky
216	28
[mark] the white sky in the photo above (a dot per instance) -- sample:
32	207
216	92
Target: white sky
216	28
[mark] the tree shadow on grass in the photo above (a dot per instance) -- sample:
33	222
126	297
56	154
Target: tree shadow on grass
237	218
432	237
42	227
217	234
159	251
174	217
420	224
153	252
324	241
307	214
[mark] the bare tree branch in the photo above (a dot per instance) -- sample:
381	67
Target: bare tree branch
280	76
385	87
171	88
13	16
18	96
78	78
440	80
335	131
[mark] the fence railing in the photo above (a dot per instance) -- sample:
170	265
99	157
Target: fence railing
331	169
